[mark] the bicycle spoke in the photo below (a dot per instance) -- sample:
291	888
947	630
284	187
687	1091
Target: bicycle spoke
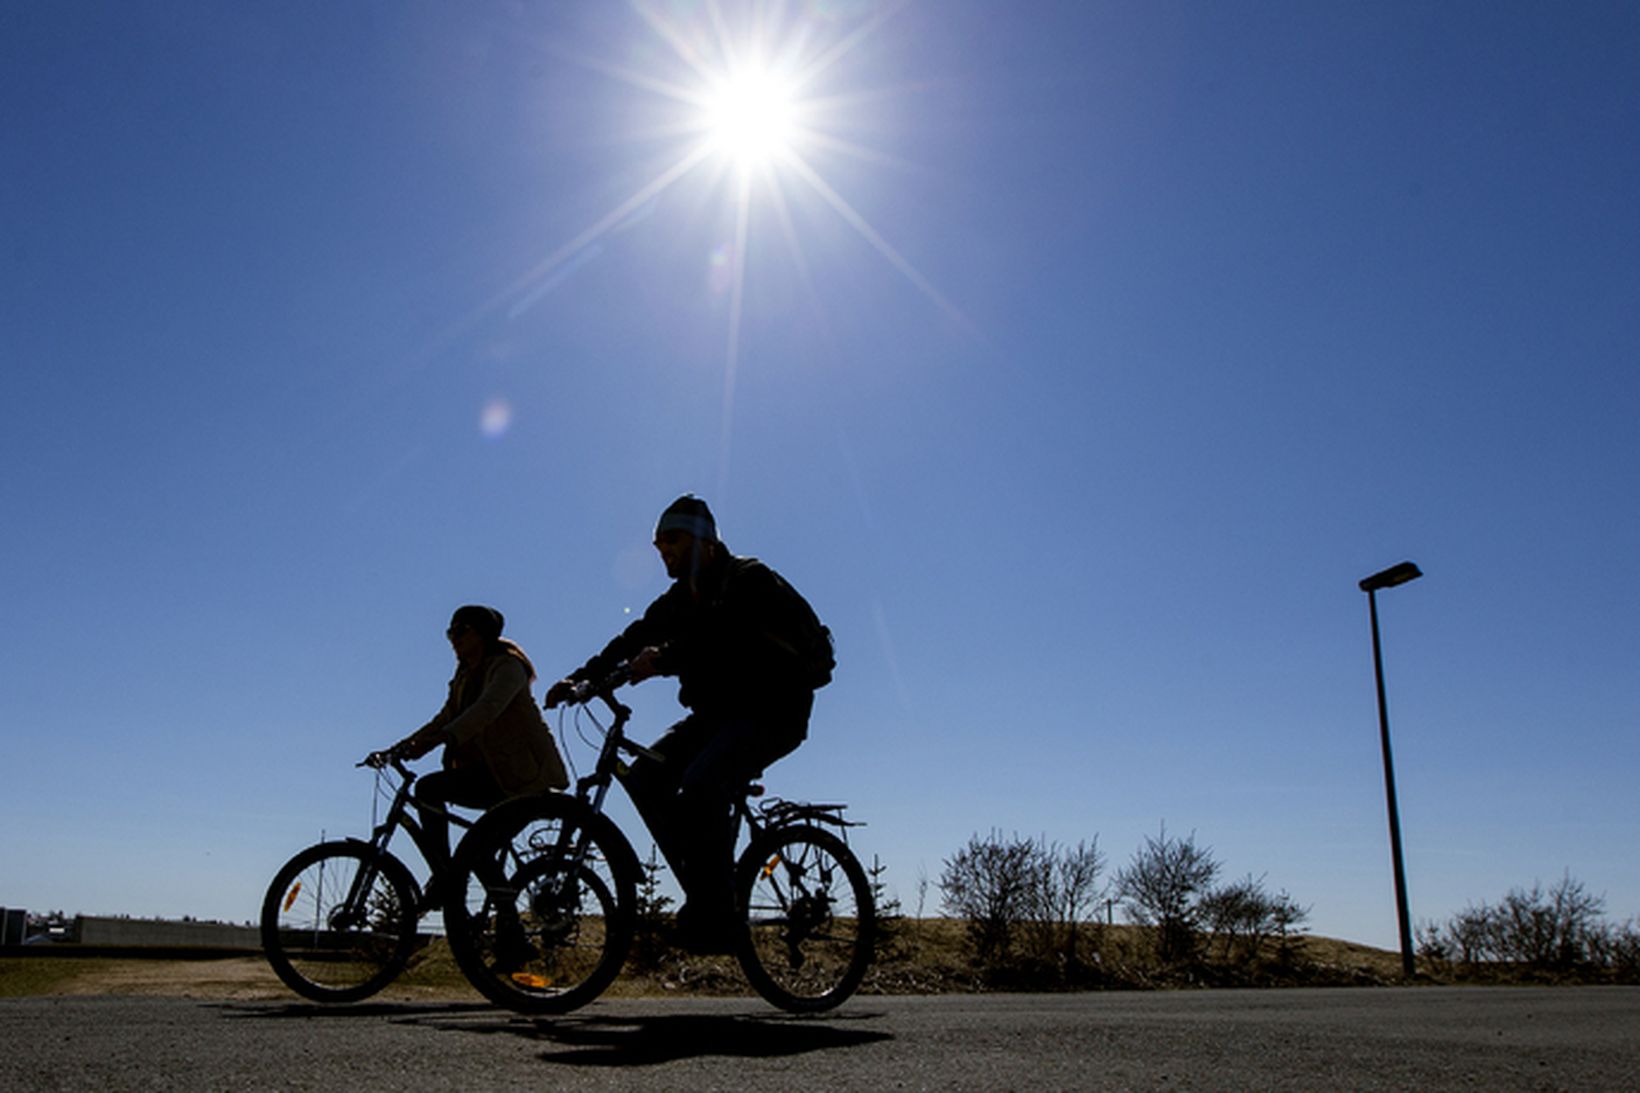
547	910
809	919
339	922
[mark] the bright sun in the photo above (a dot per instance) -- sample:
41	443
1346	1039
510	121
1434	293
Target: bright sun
774	124
750	117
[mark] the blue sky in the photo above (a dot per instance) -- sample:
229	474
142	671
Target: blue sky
1080	363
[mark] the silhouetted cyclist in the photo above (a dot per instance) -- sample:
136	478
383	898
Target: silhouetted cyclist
748	653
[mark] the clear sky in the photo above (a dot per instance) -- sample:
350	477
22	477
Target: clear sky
1075	359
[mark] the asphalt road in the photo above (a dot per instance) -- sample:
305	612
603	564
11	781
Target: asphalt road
1365	1038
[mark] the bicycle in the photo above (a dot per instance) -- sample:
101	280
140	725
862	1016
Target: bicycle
339	919
564	871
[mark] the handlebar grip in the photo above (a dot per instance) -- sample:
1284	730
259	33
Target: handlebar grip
588	689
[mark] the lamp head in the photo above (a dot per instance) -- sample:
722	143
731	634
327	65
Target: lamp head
1389	578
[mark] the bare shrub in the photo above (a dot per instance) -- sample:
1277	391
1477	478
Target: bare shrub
1431	942
989	884
1287	919
1244	915
1162	887
1551	930
1064	894
1619	950
1236	915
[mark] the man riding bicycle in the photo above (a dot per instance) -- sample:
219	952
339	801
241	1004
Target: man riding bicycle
748	653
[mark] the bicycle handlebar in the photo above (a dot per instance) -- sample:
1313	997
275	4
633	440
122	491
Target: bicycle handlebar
387	757
588	689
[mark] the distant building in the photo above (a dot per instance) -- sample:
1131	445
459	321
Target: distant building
125	932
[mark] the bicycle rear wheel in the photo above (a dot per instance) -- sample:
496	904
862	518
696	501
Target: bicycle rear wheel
809	916
541	906
339	921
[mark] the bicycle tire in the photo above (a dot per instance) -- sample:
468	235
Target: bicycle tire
307	937
810	918
541	937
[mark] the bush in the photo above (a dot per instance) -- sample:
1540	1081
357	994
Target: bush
1618	948
1555	931
1065	890
989	884
1028	910
1243	916
1163	888
1551	930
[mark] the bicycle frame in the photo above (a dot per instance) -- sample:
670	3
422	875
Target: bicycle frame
593	789
399	815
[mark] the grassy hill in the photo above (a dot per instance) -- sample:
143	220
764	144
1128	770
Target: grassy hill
921	957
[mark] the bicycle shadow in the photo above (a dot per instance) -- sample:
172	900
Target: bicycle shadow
612	1040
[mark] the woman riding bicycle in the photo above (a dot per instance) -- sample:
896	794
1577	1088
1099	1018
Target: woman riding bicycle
496	744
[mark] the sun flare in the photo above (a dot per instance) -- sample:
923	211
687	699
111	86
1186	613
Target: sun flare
754	101
750	116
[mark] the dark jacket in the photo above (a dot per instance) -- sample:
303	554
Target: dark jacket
732	646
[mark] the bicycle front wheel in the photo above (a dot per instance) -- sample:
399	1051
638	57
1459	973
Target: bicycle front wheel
543	898
339	921
809	916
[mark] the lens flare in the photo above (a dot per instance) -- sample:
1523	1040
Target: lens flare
496	418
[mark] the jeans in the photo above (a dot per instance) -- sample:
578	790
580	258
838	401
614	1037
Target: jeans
687	802
469	787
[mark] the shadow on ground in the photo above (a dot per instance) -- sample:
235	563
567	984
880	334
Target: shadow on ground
608	1039
597	1040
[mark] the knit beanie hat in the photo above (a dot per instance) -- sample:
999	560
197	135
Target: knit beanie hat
689	514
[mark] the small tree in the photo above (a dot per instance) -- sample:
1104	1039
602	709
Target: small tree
890	919
1238	915
1162	888
648	941
1065	891
1287	918
1244	915
989	885
1471	931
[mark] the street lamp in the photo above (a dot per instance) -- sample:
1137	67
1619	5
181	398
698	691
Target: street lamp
1389	578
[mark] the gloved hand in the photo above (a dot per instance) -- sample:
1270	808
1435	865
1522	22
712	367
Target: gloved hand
414	746
559	693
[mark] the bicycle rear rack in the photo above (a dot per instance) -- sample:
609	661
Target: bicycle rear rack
778	812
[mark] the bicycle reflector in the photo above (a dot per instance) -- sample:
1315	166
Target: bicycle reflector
295	890
533	982
774	863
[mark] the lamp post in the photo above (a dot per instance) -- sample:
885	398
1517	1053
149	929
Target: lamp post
1389	578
